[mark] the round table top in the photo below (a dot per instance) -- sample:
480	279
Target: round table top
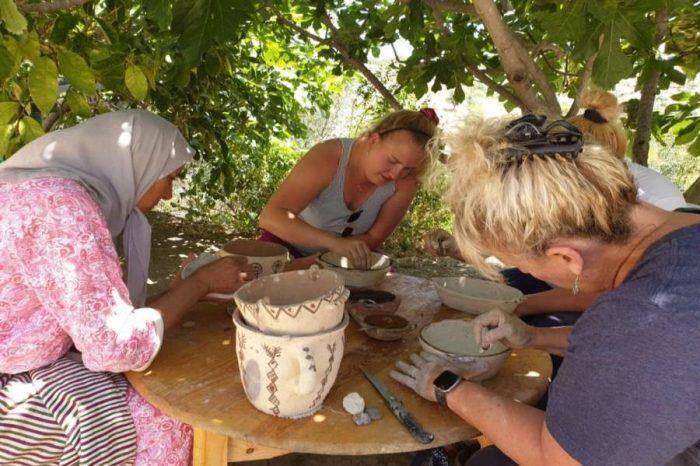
195	379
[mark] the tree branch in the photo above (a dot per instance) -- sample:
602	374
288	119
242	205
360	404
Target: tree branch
645	112
334	42
49	7
443	6
519	66
488	81
505	44
481	75
357	64
583	82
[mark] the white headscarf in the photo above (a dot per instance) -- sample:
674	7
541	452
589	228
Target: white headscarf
117	157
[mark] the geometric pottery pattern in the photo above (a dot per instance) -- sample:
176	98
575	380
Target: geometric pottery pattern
292	311
273	353
257	268
241	360
324	381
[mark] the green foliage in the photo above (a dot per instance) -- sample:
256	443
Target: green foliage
14	21
43	84
136	82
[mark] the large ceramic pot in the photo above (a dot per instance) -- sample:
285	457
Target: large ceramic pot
284	375
265	257
301	302
354	277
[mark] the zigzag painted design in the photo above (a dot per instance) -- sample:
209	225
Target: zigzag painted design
326	374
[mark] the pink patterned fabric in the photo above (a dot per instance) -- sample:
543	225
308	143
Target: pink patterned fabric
161	440
61	285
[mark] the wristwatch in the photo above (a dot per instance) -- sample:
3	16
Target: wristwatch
444	384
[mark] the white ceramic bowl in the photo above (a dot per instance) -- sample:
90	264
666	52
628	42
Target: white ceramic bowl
285	375
453	341
354	277
476	296
300	302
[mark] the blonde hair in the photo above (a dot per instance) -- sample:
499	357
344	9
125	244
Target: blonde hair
520	206
422	129
610	134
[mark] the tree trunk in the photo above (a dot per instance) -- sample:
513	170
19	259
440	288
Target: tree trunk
692	195
640	147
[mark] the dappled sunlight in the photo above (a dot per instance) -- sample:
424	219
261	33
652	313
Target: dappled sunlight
17	391
47	154
125	137
226	342
121	319
319	418
291	216
344	262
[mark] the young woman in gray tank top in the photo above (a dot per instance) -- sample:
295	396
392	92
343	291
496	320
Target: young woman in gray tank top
348	195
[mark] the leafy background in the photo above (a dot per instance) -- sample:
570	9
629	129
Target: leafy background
253	84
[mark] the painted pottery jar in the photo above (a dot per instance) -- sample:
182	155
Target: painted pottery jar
265	257
285	375
301	302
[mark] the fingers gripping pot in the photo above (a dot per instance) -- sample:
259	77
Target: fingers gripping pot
288	375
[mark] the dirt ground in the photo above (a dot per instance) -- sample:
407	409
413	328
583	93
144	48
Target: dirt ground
173	239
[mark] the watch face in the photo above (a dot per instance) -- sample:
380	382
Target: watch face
446	380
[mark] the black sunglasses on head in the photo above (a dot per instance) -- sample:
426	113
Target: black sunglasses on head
348	230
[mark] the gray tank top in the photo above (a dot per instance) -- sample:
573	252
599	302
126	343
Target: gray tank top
328	211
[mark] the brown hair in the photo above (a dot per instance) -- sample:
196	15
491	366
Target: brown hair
422	129
521	205
600	123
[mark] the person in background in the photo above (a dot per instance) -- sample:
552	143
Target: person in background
348	195
600	124
65	197
628	392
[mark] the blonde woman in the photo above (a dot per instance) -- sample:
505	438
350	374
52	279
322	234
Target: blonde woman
348	195
628	392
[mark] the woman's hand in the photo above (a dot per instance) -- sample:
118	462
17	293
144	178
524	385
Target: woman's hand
178	275
496	325
354	249
439	243
225	275
426	367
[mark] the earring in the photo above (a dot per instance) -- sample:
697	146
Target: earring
575	289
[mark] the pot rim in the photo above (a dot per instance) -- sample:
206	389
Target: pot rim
441	287
332	265
239	321
422	340
337	289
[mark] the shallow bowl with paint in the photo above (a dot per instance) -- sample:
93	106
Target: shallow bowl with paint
453	341
356	277
386	327
475	296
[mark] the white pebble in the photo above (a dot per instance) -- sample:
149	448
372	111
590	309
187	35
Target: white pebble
353	403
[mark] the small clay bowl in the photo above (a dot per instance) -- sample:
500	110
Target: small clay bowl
386	327
366	301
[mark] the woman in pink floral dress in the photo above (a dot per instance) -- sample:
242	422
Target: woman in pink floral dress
64	197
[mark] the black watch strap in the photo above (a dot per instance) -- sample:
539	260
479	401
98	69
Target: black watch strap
440	396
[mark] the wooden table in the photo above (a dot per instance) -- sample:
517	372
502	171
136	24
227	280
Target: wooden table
195	379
